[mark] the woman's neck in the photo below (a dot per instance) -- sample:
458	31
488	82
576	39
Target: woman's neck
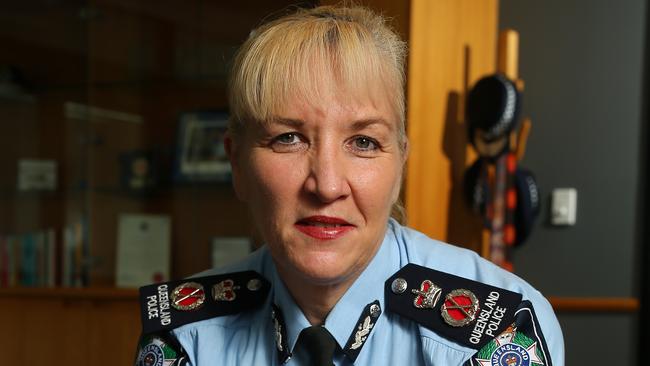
315	300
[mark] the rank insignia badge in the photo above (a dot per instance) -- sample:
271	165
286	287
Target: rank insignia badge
188	296
170	305
462	310
520	344
224	290
427	296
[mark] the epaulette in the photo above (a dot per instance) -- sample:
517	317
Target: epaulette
468	312
170	305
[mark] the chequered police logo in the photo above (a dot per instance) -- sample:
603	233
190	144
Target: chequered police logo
510	348
151	355
510	355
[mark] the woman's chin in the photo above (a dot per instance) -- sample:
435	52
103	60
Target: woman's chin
318	267
326	274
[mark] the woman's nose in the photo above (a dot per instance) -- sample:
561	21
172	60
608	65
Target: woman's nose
327	179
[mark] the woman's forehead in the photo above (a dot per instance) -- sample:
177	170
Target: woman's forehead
328	95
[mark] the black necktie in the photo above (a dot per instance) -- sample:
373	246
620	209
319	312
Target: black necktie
318	344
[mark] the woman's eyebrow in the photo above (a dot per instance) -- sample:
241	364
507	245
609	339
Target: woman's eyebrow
364	123
357	125
294	123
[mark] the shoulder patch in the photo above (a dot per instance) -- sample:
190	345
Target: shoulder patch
170	305
462	310
522	343
160	350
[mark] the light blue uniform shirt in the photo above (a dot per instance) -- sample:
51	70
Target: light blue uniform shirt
249	338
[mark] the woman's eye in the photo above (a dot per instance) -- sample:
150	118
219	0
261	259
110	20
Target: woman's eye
288	142
364	143
288	138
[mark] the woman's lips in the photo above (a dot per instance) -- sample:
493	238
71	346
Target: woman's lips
324	227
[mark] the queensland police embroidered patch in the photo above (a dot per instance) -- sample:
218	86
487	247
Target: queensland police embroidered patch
521	344
157	351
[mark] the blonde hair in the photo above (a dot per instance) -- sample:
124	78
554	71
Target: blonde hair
285	59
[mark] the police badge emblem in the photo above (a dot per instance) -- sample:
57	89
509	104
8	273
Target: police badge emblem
154	351
151	355
510	348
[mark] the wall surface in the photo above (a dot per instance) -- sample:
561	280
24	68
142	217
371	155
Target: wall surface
582	64
452	44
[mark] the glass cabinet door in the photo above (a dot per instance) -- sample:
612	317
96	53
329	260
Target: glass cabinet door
95	99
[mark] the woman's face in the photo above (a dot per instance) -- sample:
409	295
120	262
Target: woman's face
320	181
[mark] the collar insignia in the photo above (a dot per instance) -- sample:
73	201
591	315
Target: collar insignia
366	323
280	334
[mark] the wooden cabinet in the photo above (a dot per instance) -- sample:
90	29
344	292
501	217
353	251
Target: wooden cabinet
145	63
140	66
69	326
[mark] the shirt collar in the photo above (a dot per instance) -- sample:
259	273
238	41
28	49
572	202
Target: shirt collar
342	320
294	319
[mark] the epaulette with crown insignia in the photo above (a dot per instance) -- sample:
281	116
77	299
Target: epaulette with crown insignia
170	305
468	312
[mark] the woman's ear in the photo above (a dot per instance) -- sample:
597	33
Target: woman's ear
233	152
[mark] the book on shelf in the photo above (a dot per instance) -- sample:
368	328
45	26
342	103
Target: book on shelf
37	259
75	242
28	261
4	261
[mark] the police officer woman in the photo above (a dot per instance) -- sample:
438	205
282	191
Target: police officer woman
317	147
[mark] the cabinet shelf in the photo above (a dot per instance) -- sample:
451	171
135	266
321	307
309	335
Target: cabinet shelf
163	191
196	82
89	293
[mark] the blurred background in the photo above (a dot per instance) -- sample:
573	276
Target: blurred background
112	171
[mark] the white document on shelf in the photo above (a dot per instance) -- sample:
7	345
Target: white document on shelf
143	249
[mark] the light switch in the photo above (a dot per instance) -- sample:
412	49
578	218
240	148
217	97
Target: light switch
564	206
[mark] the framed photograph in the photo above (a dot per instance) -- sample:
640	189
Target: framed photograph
200	155
139	171
37	175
